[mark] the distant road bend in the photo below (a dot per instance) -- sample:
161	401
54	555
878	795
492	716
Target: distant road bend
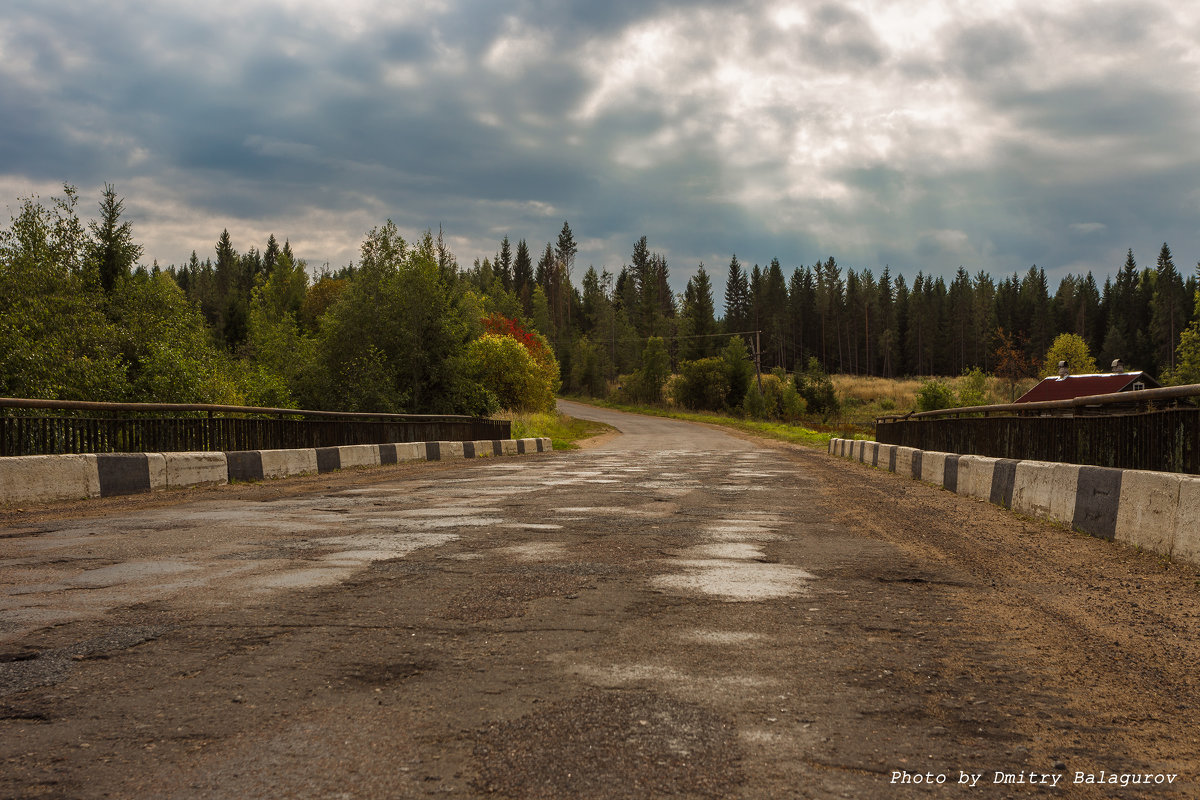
676	612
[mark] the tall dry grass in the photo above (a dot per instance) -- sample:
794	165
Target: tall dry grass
863	398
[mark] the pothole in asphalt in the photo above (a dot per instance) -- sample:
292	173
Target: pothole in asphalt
536	551
424	524
305	578
733	571
633	512
127	572
614	675
722	637
443	511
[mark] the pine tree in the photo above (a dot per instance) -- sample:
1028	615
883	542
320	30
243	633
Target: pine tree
566	249
112	247
523	275
1118	301
775	316
699	317
737	298
270	254
1169	309
503	265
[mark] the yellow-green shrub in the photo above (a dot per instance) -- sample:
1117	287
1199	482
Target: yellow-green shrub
504	367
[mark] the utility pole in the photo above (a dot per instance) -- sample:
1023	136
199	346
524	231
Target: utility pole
758	360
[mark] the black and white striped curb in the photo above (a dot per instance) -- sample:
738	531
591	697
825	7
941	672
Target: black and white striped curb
1157	511
31	479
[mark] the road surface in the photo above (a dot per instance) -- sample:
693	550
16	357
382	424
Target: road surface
677	612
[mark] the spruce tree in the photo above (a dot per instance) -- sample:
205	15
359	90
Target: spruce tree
504	263
112	247
737	298
1169	309
523	275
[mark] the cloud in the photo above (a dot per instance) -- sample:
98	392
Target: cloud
923	134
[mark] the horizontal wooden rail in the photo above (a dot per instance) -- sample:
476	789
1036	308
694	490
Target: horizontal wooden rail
1140	396
48	427
180	408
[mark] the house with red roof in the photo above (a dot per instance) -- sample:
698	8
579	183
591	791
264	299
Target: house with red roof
1065	386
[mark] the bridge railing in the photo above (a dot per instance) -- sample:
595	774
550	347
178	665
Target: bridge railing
1152	429
46	427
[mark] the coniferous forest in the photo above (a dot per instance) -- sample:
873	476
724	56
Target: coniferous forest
407	328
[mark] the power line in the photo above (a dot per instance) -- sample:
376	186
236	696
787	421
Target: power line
677	336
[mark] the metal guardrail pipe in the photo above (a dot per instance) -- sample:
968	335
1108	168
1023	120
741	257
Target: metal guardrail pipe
88	405
1140	396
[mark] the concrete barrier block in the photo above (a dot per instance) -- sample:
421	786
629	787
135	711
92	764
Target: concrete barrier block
832	443
329	459
156	466
449	450
1097	497
244	466
123	473
950	473
508	447
966	465
547	445
1148	513
887	457
31	479
871	454
1064	490
1004	476
359	455
1032	483
1186	544
196	469
282	463
933	466
975	476
409	451
484	449
908	462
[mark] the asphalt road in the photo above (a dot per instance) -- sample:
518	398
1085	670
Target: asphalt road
675	612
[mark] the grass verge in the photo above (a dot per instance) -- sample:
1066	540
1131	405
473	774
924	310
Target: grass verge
782	431
563	431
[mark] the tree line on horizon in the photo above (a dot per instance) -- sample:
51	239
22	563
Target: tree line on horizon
405	328
851	322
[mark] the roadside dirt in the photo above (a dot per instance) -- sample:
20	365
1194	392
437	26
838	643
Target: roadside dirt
670	613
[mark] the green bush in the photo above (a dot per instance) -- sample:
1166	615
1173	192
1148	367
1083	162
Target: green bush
739	372
973	390
934	394
702	385
816	387
754	404
502	366
648	381
791	404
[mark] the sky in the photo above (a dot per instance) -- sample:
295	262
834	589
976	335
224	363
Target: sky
921	135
